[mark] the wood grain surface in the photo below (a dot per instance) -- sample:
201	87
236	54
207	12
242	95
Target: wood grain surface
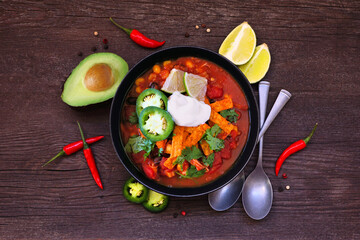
315	55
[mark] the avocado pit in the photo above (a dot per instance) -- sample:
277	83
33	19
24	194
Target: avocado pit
99	78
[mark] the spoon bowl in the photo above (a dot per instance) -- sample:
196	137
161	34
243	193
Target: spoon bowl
227	196
257	194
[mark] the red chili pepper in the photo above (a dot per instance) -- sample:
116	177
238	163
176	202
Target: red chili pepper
139	38
74	147
90	160
293	148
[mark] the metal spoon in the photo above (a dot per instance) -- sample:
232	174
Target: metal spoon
227	196
257	195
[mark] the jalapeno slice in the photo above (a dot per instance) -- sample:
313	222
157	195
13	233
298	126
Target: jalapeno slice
151	97
156	202
134	191
156	124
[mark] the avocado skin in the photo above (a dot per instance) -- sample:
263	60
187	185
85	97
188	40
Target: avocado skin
75	93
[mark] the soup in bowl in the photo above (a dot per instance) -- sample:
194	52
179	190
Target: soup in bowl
184	121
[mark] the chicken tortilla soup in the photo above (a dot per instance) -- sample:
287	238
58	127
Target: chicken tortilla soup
184	122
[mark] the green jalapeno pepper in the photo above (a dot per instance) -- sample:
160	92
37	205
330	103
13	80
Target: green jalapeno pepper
151	97
156	202
134	191
156	124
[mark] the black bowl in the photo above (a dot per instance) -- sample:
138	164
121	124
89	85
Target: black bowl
142	67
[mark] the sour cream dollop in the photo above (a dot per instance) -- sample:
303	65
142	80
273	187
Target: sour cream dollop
188	111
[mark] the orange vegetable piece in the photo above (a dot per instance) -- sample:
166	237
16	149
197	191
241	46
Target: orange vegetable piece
196	135
142	135
161	144
222	105
224	124
205	148
199	166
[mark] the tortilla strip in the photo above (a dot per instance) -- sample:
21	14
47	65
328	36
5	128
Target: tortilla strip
222	105
196	135
161	144
177	146
224	124
205	148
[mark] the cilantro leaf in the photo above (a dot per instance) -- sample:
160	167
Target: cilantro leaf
133	118
193	173
230	115
209	160
215	130
137	144
188	154
215	144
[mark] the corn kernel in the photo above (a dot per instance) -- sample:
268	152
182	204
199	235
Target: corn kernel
152	76
156	69
139	81
166	63
189	64
138	89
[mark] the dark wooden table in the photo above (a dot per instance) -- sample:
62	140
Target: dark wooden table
315	55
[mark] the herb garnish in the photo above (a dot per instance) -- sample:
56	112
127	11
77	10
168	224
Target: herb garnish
189	154
215	144
137	144
230	115
133	118
193	173
209	160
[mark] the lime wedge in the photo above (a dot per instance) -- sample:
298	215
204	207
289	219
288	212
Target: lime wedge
174	82
195	86
239	45
257	67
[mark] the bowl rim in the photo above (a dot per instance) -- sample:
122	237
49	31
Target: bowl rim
173	53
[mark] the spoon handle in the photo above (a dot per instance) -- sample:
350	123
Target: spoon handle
280	102
263	99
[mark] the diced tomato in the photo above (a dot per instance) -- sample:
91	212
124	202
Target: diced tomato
185	167
233	144
214	92
233	134
150	169
226	151
199	166
138	157
217	163
162	166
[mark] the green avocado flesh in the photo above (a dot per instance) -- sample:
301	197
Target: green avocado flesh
76	93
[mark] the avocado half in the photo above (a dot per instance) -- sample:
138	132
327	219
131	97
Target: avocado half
94	80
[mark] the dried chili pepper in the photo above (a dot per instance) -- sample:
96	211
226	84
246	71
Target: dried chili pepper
90	160
139	38
74	147
293	148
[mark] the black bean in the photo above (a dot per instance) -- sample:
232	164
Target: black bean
187	35
154	85
131	100
211	100
106	46
80	54
93	49
175	215
157	160
280	189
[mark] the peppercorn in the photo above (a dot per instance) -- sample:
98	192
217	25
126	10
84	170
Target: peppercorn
284	176
106	46
280	189
93	49
105	41
96	33
208	30
175	215
187	35
203	25
183	213
80	54
197	26
287	187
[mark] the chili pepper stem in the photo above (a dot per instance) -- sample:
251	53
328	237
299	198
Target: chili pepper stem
61	153
307	139
86	146
128	31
